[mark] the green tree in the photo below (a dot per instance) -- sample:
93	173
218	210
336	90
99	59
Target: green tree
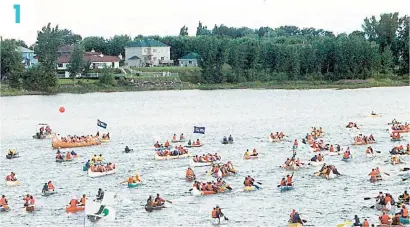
96	43
11	66
76	64
183	31
69	37
115	46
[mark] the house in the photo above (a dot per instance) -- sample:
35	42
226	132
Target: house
189	60
97	61
27	57
65	49
147	52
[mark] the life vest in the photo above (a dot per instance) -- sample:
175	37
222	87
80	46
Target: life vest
366	224
51	186
31	201
384	219
3	201
289	180
346	155
405	213
73	203
214	215
83	200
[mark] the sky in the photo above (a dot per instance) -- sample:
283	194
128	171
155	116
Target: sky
165	17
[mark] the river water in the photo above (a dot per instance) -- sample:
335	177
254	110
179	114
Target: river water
138	119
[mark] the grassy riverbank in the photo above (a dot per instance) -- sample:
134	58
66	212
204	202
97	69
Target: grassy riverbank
174	83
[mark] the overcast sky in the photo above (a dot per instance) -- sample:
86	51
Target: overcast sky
165	17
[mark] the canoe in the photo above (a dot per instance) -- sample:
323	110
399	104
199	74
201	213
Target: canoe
169	157
363	143
196	192
190	178
178	141
70	209
150	208
251	157
221	221
55	143
404	220
401	131
275	140
378	178
370	155
334	153
105	140
374	115
47	193
290	168
295	225
200	164
220	175
64	160
285	188
134	185
100	174
250	188
226	142
396	139
30	208
316	163
189	146
12	183
162	148
388	225
44	136
11	157
346	159
331	175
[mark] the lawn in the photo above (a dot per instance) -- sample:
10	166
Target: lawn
69	81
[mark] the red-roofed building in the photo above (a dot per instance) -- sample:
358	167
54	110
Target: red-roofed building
97	60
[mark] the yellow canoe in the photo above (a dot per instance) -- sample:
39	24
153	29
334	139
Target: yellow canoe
295	225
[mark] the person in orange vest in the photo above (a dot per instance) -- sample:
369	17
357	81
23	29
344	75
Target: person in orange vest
365	223
26	200
189	173
4	203
82	201
384	219
73	202
50	186
404	212
373	175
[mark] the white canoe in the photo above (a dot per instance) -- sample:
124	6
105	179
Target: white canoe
100	174
275	140
370	155
316	163
168	157
334	153
290	168
12	183
200	164
47	193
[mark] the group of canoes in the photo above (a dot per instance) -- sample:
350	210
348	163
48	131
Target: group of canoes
386	204
249	155
276	137
363	140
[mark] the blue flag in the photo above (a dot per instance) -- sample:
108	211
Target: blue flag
101	124
199	130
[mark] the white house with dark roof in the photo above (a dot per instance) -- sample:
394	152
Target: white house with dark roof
189	60
147	52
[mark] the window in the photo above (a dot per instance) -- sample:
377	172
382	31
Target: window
190	62
60	65
162	58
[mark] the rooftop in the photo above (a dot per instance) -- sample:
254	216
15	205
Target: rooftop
191	55
25	50
146	43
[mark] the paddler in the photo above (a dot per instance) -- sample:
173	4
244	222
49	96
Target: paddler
366	223
82	201
100	194
4	203
73	202
50	186
230	138
247	153
158	201
295	144
137	178
405	197
254	153
26	200
289	180
174	137
100	158
45	188
404	212
217	213
295	217
166	143
127	149
356	221
11	177
189	173
181	137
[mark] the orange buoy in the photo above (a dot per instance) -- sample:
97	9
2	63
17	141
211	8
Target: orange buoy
62	109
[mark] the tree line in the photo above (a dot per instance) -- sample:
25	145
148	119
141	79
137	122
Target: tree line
229	54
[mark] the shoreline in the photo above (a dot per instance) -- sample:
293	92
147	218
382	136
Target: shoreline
84	88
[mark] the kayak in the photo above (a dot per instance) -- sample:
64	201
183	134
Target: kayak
404	220
220	221
295	225
396	139
105	140
226	142
250	157
168	157
387	207
250	188
200	164
370	155
178	141
194	145
64	160
70	209
374	115
12	183
316	163
100	174
44	136
346	159
331	175
285	188
11	157
134	185
47	193
56	143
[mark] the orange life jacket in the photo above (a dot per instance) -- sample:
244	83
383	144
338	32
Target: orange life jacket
289	180
51	186
73	203
3	201
83	200
405	213
366	224
384	219
214	214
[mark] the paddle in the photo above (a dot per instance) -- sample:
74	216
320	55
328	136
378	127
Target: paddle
169	201
386	173
258	182
378	152
405	179
367	198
